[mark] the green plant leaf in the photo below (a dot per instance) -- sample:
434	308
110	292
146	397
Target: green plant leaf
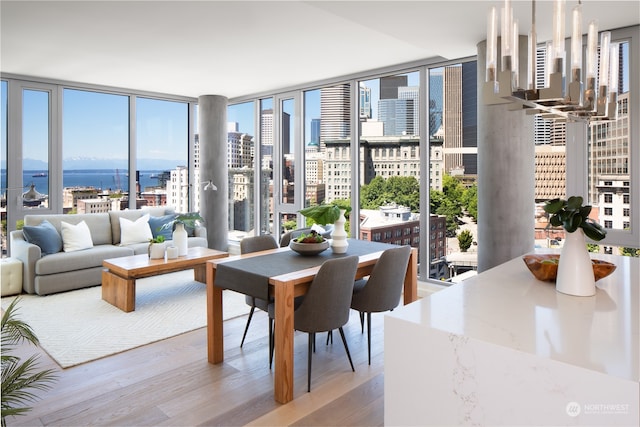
574	202
593	230
553	206
322	214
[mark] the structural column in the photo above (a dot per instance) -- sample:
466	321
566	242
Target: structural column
212	129
506	174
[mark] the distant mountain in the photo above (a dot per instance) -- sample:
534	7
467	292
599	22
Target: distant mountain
95	163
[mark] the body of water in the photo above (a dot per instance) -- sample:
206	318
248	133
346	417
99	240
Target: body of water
102	179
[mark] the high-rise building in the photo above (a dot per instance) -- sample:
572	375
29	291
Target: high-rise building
178	189
365	102
400	116
335	121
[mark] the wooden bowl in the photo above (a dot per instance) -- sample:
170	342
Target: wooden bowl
545	267
309	249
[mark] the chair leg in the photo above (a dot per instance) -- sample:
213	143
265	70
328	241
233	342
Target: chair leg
369	335
361	321
246	328
346	347
329	337
271	342
312	340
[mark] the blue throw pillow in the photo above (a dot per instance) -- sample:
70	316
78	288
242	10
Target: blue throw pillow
44	235
157	222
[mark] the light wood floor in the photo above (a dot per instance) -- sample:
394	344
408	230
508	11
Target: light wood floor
170	383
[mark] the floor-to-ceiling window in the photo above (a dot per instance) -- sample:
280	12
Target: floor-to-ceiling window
162	143
241	149
95	150
3	164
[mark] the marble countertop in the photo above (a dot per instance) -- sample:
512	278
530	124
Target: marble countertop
507	306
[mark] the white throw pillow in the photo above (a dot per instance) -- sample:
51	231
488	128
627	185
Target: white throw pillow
137	231
75	237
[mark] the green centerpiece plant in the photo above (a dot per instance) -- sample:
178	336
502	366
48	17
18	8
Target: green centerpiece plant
575	271
571	214
324	214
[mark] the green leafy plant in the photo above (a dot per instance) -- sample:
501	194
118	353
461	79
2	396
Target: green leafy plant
312	237
18	377
571	214
324	214
157	239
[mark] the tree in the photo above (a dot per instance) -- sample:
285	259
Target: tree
403	190
630	252
470	201
465	240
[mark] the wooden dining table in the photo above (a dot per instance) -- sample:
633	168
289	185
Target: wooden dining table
282	275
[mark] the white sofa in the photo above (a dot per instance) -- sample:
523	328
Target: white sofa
64	271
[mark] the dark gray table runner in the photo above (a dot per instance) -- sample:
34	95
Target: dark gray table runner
251	276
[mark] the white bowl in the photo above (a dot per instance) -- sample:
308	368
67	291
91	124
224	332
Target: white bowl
309	248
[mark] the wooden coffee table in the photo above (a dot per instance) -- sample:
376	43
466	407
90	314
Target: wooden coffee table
120	274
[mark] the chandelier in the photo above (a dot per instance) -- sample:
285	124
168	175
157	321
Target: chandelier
579	101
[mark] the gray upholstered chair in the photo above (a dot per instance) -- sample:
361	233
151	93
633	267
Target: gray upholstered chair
382	290
256	244
326	305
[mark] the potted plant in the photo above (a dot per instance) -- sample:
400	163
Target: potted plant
572	214
156	247
331	214
324	214
179	226
18	377
575	271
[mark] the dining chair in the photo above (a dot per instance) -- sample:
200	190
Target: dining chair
325	306
256	244
382	289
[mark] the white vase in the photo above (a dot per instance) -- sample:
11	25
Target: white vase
339	242
575	271
156	250
180	239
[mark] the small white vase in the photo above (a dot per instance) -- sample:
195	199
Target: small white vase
180	239
339	242
156	250
575	271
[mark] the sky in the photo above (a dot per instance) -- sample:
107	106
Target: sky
96	124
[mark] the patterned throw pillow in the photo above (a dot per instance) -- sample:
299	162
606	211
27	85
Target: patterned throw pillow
158	222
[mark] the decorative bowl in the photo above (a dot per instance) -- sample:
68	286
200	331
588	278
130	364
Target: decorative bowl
308	249
545	267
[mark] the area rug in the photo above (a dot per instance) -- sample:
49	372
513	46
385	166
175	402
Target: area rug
78	326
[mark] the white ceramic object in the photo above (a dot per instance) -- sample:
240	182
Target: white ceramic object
180	239
156	250
575	270
339	242
172	252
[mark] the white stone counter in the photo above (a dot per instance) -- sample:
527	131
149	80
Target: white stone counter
503	348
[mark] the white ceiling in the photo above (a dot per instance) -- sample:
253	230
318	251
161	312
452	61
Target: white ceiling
235	48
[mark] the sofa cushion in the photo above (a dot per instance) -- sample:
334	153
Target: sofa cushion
156	223
44	235
71	261
75	237
137	231
98	223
